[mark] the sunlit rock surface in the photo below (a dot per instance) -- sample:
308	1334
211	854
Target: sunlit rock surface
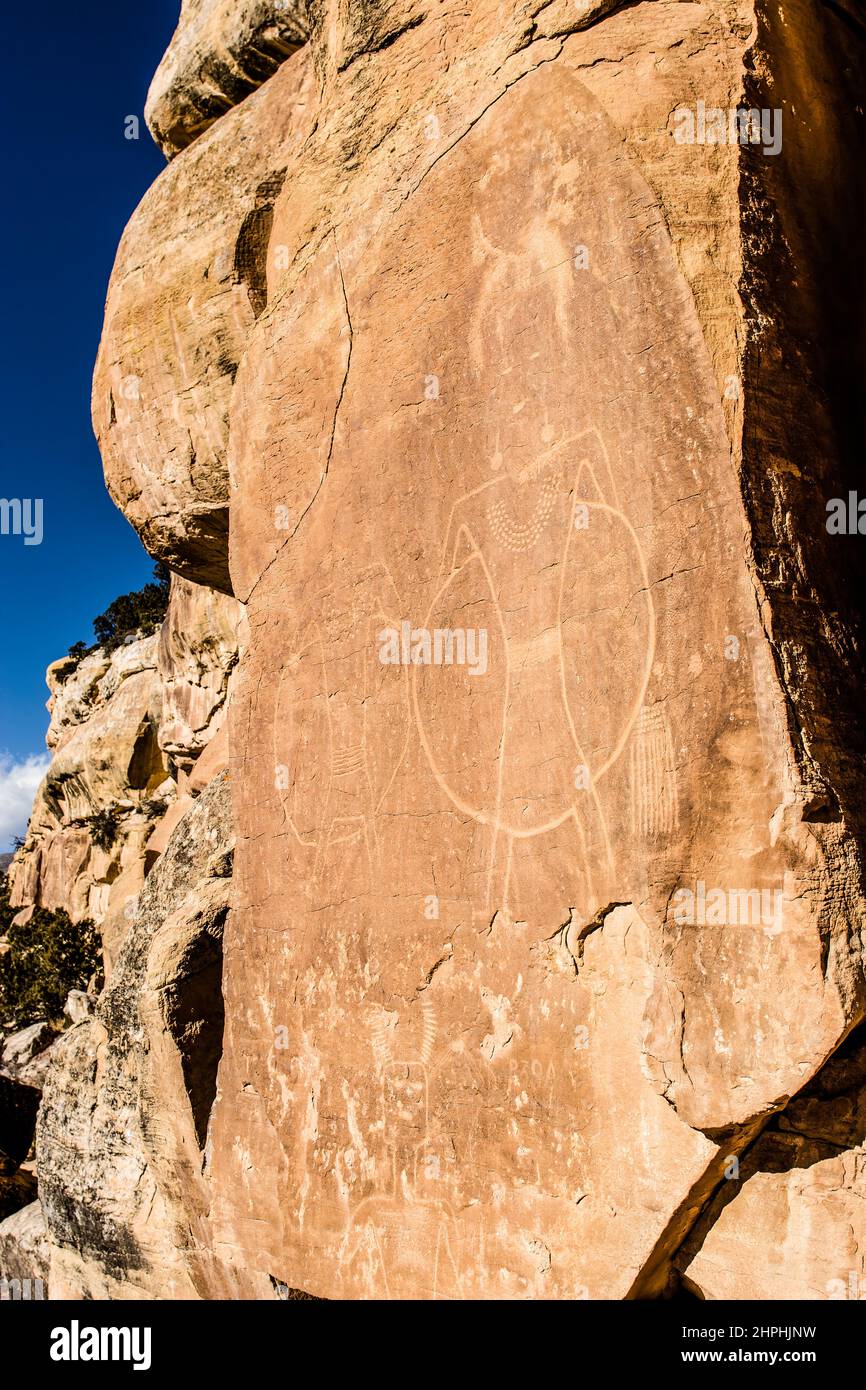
508	404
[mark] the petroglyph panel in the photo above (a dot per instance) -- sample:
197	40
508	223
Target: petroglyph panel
486	694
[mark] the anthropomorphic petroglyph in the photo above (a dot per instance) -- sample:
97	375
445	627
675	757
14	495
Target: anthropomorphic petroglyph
545	546
334	693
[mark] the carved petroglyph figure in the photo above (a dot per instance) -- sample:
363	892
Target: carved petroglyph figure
546	548
654	800
335	694
410	1213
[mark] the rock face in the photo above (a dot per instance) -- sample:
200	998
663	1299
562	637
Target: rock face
104	788
122	1146
520	395
791	1227
186	289
522	913
219	54
25	1249
197	654
19	1049
126	731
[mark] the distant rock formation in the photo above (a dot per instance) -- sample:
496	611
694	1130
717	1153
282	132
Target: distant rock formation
480	373
126	730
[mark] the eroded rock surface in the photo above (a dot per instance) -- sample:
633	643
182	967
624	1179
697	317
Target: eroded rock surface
544	972
187	285
105	787
122	1136
127	729
197	654
219	54
555	480
25	1249
786	1221
19	1049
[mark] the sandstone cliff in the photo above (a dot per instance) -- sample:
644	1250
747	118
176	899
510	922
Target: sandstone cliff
504	935
105	787
127	731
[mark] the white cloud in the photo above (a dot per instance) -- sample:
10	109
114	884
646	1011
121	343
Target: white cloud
18	784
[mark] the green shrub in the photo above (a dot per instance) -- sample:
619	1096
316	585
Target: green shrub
141	611
47	957
103	826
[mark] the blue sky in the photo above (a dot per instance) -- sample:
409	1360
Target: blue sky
73	73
